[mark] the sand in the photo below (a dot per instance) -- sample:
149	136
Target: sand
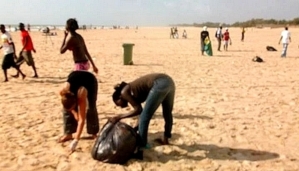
230	113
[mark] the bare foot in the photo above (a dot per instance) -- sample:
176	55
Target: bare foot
35	76
15	76
94	136
65	138
23	76
5	80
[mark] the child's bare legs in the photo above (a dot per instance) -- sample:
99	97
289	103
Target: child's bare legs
5	75
18	71
35	73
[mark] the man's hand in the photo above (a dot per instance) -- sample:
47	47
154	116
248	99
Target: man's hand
15	56
34	50
95	69
65	33
73	146
115	119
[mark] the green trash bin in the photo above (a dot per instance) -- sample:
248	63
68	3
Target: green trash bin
128	53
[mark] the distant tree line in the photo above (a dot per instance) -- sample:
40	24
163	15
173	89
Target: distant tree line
256	22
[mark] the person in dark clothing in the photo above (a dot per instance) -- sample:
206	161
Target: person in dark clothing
153	89
78	98
243	34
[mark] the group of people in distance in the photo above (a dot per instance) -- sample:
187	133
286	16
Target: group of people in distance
79	96
285	39
205	40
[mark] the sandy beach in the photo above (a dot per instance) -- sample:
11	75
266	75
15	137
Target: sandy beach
230	114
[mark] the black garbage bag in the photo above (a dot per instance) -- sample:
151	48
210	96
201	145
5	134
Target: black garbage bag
117	143
257	59
270	48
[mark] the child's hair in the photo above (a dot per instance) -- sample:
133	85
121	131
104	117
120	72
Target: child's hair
118	88
72	24
68	99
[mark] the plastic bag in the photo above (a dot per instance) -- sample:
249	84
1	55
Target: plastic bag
117	143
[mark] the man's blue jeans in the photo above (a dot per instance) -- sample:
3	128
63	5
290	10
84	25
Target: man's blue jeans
162	92
284	49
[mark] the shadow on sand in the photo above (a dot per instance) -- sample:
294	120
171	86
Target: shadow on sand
240	50
198	152
183	116
147	65
49	81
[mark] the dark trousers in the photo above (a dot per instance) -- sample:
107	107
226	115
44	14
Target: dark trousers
92	120
219	43
242	37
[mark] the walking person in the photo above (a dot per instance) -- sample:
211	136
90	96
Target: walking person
26	53
218	36
226	39
79	97
285	38
243	34
9	51
76	44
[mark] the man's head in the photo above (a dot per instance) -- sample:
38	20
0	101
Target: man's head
21	26
286	28
71	25
68	100
2	28
116	96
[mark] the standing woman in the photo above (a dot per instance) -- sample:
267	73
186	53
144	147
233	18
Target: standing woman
153	89
76	44
78	97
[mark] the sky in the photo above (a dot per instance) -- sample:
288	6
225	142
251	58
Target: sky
143	12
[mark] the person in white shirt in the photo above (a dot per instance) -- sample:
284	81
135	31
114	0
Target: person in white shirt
285	38
219	36
9	53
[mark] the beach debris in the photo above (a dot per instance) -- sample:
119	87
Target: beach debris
257	59
270	48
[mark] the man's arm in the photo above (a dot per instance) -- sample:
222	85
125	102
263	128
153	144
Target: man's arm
25	43
280	40
87	54
65	44
126	95
65	87
82	95
14	48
